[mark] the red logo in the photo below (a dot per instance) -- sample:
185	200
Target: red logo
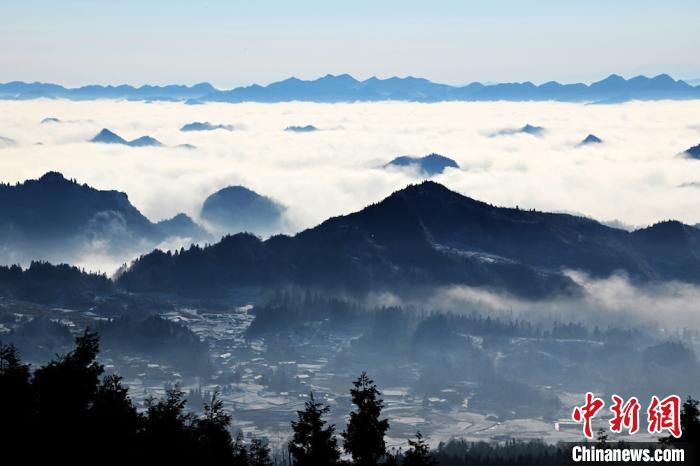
665	415
625	415
587	412
662	415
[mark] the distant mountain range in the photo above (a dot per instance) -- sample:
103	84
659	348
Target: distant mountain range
345	88
425	236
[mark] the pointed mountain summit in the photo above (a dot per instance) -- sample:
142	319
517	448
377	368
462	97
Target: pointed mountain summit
106	136
692	152
591	139
145	141
181	225
614	82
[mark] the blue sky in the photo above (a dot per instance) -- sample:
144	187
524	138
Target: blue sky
231	43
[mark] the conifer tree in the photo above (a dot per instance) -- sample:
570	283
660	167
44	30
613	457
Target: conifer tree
16	403
213	436
418	453
313	442
364	436
259	453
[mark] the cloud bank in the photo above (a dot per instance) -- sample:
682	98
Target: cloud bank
635	177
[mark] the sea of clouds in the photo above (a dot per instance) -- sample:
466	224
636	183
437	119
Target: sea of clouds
636	177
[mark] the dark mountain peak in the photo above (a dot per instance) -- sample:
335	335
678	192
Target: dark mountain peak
531	129
693	152
664	227
591	139
50	120
181	225
106	136
428	165
238	209
429	190
145	141
54	217
674	246
53	182
235	193
52	177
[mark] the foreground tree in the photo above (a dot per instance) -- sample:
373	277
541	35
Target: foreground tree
240	454
213	435
64	393
418	453
15	400
364	437
313	442
259	453
114	420
65	413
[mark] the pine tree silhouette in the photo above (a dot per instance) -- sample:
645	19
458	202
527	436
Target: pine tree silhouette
364	436
418	453
240	454
16	403
64	391
312	443
259	453
213	436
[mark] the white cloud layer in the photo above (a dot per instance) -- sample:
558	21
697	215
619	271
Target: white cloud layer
633	177
667	307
